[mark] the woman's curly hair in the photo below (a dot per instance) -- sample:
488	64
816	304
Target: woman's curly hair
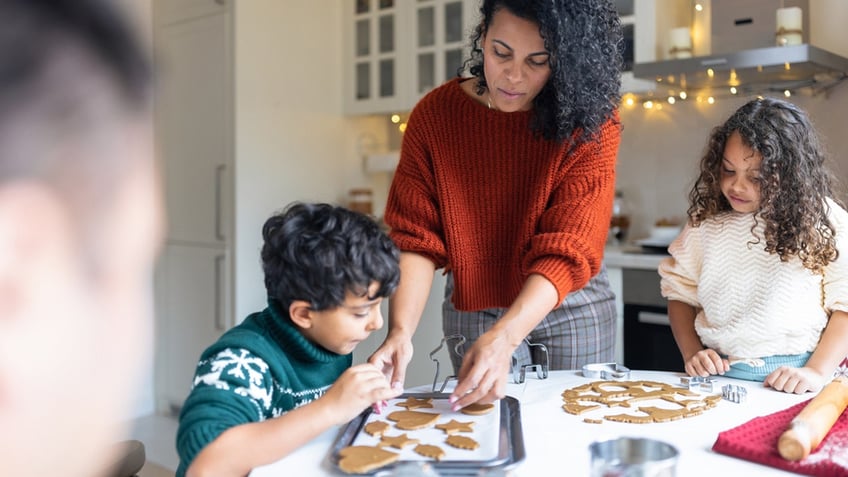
794	181
585	41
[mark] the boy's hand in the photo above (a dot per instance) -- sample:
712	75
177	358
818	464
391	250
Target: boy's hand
706	363
795	380
357	388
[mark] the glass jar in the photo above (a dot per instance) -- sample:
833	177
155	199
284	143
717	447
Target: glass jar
619	222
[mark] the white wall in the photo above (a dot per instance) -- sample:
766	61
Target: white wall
292	142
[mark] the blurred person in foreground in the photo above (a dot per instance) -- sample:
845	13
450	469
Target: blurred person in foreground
80	225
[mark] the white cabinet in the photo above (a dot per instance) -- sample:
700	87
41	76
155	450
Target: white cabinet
194	130
440	35
396	50
646	24
192	304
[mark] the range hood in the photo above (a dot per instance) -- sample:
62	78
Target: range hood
752	71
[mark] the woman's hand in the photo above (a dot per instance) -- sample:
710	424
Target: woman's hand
392	358
795	380
357	388
706	363
484	371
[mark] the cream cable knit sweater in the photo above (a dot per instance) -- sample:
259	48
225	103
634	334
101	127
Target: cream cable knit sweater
750	304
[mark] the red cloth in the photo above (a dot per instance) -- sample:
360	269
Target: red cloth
756	441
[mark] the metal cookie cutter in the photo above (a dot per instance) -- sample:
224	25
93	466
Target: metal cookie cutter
457	349
700	383
608	371
734	393
519	372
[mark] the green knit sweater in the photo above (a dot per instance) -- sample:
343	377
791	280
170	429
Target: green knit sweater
258	370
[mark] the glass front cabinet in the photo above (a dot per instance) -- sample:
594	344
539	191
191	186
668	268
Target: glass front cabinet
395	51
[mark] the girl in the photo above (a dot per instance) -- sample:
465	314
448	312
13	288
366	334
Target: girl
506	180
756	283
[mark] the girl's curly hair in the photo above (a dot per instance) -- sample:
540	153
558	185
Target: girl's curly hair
585	42
794	181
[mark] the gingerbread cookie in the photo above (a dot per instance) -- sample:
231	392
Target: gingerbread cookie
412	420
415	403
398	442
573	407
477	409
376	428
614	394
629	418
453	426
362	459
462	442
433	452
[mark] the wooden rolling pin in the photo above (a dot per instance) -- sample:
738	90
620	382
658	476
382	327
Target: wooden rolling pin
812	424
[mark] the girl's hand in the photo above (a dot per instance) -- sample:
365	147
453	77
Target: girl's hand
706	363
392	358
485	368
357	388
795	380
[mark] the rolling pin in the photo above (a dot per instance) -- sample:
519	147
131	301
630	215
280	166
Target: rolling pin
812	424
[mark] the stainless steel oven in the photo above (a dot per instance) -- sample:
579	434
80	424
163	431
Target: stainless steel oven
648	341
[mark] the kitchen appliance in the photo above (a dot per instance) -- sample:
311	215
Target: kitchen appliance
648	341
744	55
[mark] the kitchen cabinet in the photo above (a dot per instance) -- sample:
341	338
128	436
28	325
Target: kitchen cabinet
645	25
396	51
193	289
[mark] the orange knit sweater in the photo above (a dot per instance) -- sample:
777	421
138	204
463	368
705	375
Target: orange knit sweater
481	196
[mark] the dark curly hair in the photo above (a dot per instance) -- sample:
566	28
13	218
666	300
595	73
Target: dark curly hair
585	41
318	252
794	181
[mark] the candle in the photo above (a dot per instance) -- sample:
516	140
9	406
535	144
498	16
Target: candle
789	26
680	41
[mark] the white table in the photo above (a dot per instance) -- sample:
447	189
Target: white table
554	438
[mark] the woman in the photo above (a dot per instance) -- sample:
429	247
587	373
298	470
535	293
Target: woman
506	181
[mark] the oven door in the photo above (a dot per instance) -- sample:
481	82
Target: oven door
648	341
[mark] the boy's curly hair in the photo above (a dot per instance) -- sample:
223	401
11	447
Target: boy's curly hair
794	181
318	252
585	41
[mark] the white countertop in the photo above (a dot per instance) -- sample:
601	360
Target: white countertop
628	256
554	438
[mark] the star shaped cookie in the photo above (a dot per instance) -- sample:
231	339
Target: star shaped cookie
453	426
415	403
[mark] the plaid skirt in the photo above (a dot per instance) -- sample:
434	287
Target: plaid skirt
578	332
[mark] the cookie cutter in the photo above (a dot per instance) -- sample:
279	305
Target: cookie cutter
700	383
457	348
734	393
608	371
519	372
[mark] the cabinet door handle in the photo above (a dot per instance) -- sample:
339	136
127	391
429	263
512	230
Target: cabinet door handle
219	2
220	324
219	184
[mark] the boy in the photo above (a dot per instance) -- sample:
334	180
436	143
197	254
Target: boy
283	376
80	223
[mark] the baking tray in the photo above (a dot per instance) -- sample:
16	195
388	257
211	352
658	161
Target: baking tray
508	449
